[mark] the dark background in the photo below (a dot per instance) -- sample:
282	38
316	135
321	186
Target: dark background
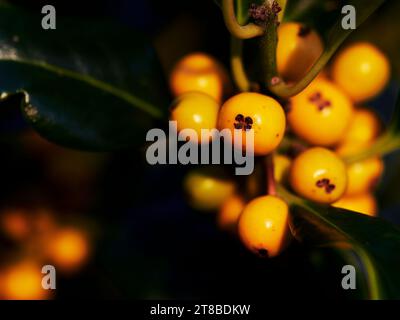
149	242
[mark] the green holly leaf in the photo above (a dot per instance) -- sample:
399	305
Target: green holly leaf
371	245
89	84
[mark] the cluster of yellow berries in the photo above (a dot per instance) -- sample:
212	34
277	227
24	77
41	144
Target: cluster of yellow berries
41	241
327	117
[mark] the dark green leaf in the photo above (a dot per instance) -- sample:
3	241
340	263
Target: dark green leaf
371	245
88	84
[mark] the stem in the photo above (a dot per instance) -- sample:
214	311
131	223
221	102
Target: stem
268	44
289	197
282	4
271	183
335	38
238	71
248	31
386	144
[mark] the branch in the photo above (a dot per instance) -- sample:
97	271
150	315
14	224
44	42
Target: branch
238	71
248	31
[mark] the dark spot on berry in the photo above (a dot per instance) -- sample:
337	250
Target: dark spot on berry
263	253
318	100
239	118
326	184
329	189
238	126
248	120
304	31
243	123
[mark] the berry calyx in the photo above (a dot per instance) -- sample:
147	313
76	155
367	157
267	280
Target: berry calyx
320	114
319	175
255	111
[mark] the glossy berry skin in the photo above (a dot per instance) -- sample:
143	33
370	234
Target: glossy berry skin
255	111
198	72
362	71
263	226
229	213
206	190
320	114
364	203
364	128
319	175
299	47
197	111
363	176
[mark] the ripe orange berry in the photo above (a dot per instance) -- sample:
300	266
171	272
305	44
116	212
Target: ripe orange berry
281	167
299	47
248	111
69	249
363	203
198	72
207	190
263	226
197	111
16	224
320	114
230	211
319	175
363	176
362	71
364	128
23	281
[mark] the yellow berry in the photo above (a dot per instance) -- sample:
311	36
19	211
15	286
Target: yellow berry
23	281
69	249
364	175
364	203
364	128
198	72
196	111
207	190
362	71
230	211
281	167
263	226
255	111
320	114
319	175
299	47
